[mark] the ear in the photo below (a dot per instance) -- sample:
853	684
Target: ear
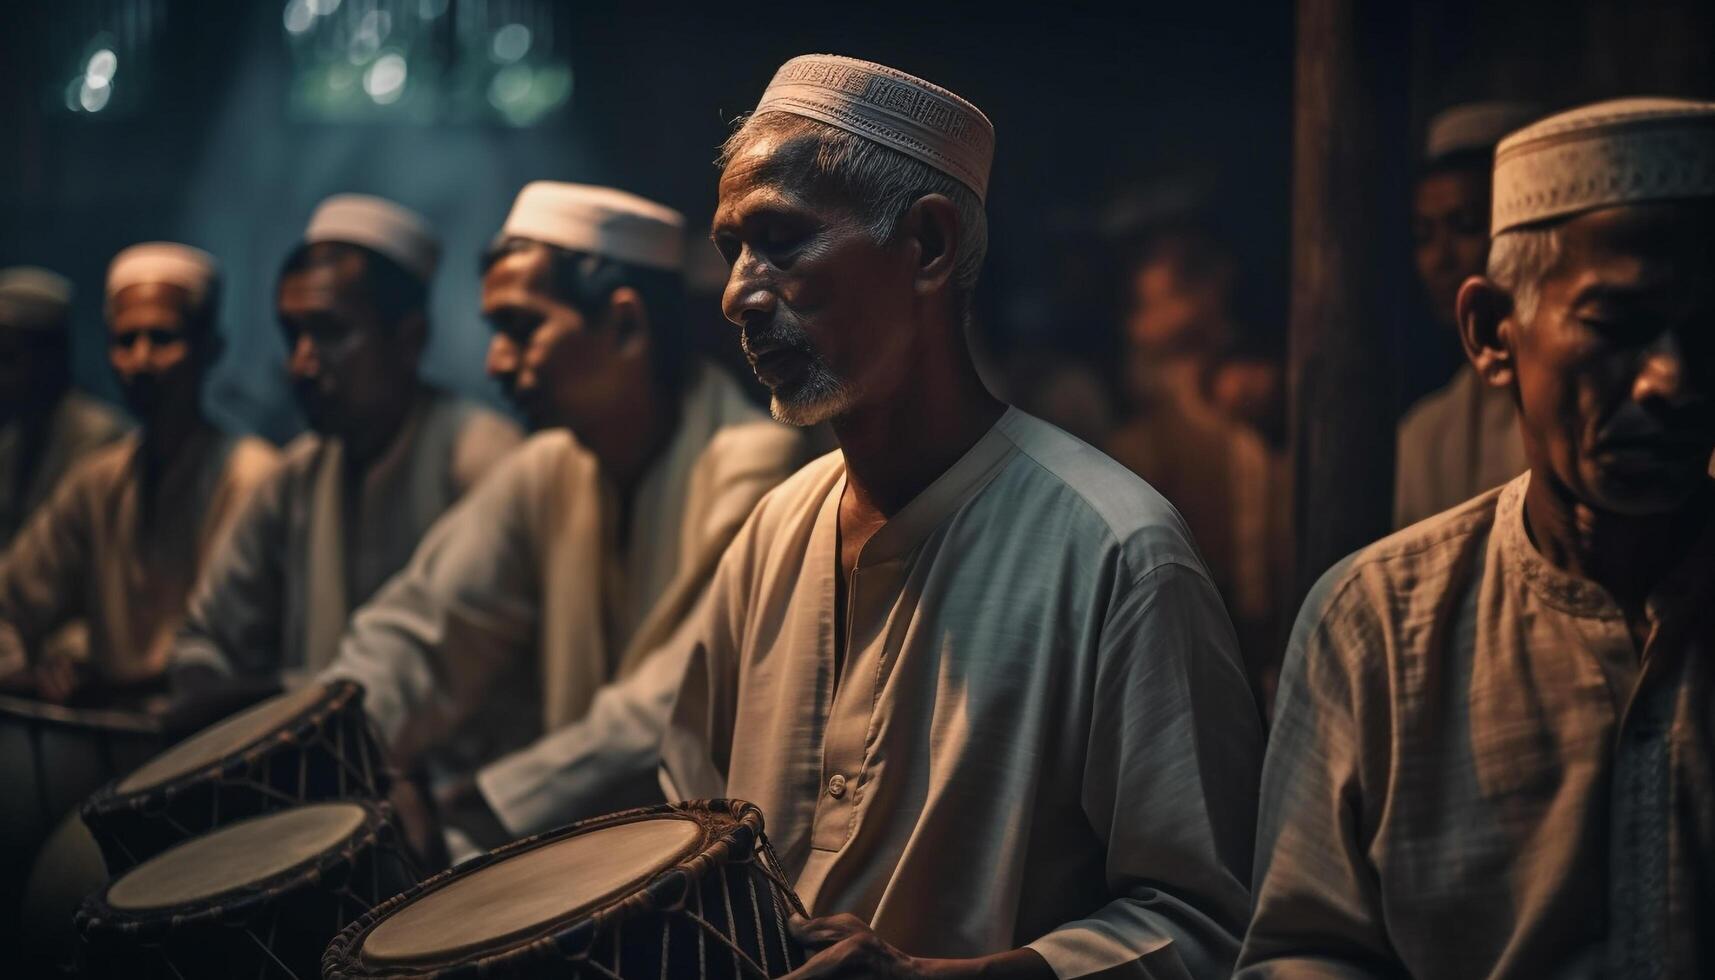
931	227
1487	325
628	317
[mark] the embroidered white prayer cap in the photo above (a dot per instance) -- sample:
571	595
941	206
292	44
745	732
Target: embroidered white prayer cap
599	221
381	226
899	111
191	269
34	298
1475	126
1623	151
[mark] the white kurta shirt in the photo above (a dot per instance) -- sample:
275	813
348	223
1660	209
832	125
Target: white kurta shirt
77	426
314	543
1042	733
1454	444
1476	772
520	604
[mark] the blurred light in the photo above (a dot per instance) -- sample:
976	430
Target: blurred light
94	93
341	77
74	90
385	80
321	8
102	65
510	87
511	43
299	16
430	9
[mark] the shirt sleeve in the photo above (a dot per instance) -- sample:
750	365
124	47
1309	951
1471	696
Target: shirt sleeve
233	621
486	439
463	610
43	572
1169	786
1318	905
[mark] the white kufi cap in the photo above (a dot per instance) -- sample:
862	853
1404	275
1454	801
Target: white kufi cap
381	226
599	221
1624	151
903	112
191	269
33	298
1475	127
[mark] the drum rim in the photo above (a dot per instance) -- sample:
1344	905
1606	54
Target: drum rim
339	694
120	720
730	845
97	914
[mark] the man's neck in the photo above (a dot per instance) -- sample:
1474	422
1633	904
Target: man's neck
899	442
371	442
1625	554
629	442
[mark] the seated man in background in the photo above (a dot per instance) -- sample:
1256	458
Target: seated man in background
385	454
584	549
46	425
1494	750
973	672
126	533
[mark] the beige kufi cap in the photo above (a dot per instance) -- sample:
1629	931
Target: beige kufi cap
191	269
1625	151
599	221
33	298
901	111
379	225
1475	126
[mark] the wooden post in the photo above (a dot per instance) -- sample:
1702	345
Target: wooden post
1351	268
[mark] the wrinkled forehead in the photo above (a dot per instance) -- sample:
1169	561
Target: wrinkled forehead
1656	241
520	273
149	306
338	280
767	167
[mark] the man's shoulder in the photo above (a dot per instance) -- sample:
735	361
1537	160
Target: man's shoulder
251	460
88	420
1432	414
1058	476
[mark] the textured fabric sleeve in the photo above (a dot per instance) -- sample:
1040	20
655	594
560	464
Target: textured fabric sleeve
427	645
44	571
485	439
1318	905
1169	786
233	621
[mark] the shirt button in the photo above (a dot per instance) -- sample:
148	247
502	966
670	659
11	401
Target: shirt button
837	786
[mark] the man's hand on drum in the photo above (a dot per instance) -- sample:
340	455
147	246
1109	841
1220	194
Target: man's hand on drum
59	677
844	946
419	823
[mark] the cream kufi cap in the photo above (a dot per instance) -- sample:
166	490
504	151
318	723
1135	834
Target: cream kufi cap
599	221
1475	126
33	298
900	111
191	269
1624	151
379	225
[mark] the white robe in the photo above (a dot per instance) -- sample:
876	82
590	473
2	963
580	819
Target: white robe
1453	444
520	605
77	426
314	544
1042	733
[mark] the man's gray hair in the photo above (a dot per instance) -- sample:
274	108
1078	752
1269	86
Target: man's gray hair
879	183
1518	261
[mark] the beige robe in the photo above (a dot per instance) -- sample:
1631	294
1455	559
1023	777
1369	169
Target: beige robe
521	603
1454	444
1475	772
315	543
123	556
1041	733
77	426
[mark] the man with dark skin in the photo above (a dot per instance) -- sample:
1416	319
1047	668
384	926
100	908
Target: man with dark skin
385	456
874	665
1493	753
123	538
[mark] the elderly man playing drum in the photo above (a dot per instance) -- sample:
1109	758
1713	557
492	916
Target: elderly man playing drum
973	671
1494	749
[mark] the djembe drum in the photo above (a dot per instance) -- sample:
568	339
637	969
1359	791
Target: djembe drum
682	890
311	744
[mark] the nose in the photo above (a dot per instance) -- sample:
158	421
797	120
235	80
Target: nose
304	363
1662	377
502	357
748	291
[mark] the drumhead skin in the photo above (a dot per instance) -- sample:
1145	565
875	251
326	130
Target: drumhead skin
223	739
235	857
514	898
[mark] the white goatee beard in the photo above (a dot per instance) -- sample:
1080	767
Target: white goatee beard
820	398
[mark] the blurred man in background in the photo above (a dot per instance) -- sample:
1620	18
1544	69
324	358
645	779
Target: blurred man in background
385	454
1462	439
125	534
46	425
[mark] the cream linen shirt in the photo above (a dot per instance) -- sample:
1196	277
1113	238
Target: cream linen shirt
314	543
1454	444
522	602
77	426
1042	733
123	556
1473	771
